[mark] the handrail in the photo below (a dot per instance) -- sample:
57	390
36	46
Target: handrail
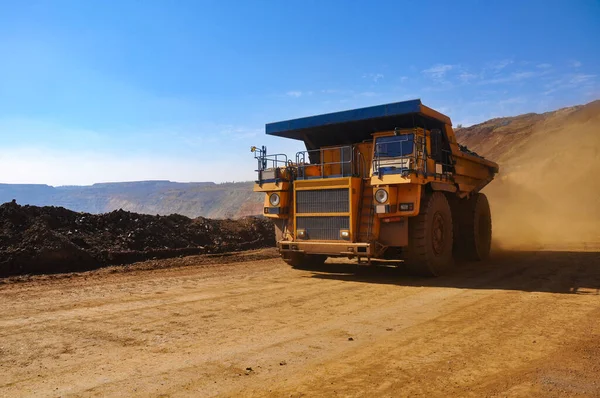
414	162
346	164
275	160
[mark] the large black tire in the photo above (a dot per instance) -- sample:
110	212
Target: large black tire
429	251
473	228
304	261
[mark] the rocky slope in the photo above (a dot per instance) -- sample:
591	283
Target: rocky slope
548	189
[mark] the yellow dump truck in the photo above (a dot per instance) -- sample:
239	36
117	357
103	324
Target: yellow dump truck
387	182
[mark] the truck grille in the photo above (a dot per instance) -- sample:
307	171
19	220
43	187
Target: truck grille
323	228
323	201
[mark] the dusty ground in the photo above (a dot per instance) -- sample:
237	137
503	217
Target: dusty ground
526	324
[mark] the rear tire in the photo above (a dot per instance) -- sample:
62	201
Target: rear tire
429	251
304	261
472	227
477	237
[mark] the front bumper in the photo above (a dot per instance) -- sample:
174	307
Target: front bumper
342	249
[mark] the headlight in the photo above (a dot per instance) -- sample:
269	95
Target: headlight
274	199
381	196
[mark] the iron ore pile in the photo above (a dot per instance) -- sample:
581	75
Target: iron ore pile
36	240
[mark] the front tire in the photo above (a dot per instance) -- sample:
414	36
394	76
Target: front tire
429	251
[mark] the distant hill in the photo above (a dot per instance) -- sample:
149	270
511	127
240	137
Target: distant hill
207	199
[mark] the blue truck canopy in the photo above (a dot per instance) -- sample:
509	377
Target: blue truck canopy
357	125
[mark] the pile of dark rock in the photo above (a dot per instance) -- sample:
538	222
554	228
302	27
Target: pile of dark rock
53	239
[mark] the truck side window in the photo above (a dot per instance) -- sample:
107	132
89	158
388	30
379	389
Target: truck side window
436	145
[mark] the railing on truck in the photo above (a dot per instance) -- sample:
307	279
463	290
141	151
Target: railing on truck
407	153
330	162
268	165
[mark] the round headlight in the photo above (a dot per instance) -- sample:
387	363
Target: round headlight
381	196
274	199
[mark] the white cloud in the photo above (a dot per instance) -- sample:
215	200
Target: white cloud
574	64
522	75
572	81
499	65
544	66
298	93
580	78
337	92
373	76
466	77
438	72
511	78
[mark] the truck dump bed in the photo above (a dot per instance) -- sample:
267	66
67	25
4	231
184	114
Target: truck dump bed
357	125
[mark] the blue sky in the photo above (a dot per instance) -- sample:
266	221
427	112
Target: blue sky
94	91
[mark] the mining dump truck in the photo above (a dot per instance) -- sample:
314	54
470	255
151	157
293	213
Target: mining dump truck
387	183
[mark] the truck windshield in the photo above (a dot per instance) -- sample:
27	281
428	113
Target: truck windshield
394	146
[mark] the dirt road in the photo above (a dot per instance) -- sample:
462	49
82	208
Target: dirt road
526	324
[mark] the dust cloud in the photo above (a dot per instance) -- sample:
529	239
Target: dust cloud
550	216
547	194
